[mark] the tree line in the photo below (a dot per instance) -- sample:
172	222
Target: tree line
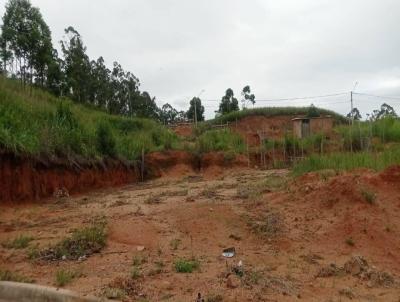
27	54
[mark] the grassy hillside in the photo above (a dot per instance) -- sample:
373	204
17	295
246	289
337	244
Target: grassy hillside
36	123
273	111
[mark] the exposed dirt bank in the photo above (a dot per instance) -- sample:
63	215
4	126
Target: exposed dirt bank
27	179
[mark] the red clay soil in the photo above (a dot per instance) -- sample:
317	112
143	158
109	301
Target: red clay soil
170	163
25	179
274	127
353	211
180	163
183	130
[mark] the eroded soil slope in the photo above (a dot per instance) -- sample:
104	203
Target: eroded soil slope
322	237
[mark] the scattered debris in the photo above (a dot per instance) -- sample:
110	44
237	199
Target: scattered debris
229	252
347	292
235	237
61	193
140	248
358	267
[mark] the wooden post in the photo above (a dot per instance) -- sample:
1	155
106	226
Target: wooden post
142	166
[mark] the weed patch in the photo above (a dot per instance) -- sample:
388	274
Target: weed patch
64	277
20	242
186	266
83	242
6	275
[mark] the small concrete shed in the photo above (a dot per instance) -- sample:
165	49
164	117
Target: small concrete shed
306	126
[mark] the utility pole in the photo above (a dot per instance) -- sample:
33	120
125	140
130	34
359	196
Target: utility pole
351	106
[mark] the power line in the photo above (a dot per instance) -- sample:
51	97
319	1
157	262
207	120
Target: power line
293	98
378	96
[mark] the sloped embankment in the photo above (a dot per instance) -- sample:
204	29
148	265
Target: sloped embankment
26	179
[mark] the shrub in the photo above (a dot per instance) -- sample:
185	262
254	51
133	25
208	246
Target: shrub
83	242
105	140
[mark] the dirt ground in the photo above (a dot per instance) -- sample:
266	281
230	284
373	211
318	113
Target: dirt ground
321	237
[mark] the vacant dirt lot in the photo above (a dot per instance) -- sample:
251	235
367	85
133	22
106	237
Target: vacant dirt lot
322	237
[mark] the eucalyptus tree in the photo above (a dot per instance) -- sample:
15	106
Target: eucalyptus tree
26	46
228	102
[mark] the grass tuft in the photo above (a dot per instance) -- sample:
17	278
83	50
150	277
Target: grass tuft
20	242
83	242
186	266
64	277
6	275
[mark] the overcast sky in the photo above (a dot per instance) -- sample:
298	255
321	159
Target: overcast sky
285	48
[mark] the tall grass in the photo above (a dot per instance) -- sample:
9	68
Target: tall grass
348	161
35	122
220	140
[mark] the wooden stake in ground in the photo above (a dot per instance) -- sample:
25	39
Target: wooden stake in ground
142	166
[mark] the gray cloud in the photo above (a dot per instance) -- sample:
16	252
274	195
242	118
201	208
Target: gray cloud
280	48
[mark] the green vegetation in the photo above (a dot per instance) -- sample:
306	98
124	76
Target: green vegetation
349	161
64	277
37	123
220	140
6	275
186	266
83	242
135	272
20	242
368	195
273	111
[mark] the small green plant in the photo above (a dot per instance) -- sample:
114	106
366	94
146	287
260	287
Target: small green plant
6	275
186	266
136	273
83	242
64	277
350	241
138	260
368	195
175	244
20	242
114	293
158	268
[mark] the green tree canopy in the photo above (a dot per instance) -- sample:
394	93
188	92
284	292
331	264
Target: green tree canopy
26	43
248	97
195	103
228	102
354	114
313	111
